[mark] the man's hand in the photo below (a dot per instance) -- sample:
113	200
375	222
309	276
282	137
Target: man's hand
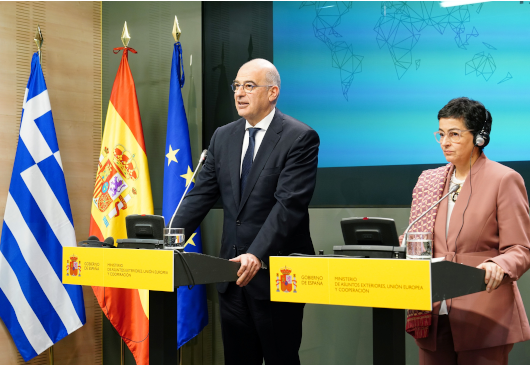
494	275
250	265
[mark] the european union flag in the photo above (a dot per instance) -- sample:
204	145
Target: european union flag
192	311
36	307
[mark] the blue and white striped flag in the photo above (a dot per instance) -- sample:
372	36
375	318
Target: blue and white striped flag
37	309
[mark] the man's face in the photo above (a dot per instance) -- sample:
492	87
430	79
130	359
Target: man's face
256	105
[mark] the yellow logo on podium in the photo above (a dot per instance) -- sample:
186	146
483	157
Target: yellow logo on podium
119	268
381	283
73	266
287	281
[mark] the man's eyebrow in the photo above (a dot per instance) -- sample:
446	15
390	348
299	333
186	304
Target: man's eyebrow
244	82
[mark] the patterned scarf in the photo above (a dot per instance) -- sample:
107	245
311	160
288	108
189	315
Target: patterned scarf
428	190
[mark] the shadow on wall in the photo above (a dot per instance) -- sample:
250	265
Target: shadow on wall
223	104
192	111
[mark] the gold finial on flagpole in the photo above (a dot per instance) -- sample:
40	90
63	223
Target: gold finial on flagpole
176	30
38	41
125	36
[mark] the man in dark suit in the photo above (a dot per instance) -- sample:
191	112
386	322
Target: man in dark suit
263	166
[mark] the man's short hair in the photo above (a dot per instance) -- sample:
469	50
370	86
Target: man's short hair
272	76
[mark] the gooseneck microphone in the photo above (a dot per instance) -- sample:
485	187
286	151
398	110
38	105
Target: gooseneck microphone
204	154
452	190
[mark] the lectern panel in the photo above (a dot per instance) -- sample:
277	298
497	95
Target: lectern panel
382	283
119	268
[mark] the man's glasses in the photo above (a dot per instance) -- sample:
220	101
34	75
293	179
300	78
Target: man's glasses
247	87
454	135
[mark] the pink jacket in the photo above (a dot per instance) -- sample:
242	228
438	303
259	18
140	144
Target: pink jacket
496	228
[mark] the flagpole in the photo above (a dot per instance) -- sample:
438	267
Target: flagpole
38	41
122	352
176	35
125	39
176	30
50	355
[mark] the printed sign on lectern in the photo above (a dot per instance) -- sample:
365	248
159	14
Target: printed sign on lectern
119	268
381	283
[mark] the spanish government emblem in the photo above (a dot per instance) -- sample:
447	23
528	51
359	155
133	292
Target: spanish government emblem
73	266
287	281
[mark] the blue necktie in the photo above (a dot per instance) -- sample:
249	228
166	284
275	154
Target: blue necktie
249	157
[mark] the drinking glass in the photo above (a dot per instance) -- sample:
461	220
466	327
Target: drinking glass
174	238
419	245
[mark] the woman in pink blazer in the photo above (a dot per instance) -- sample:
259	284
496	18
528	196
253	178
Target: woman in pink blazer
485	224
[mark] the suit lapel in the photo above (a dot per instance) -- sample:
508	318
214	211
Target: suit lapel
271	138
441	217
234	159
457	216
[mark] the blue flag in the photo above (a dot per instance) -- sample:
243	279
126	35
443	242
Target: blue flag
192	312
37	309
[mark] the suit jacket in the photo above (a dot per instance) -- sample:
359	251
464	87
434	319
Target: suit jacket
270	217
496	227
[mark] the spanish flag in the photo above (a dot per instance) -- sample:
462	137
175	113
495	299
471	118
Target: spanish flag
123	187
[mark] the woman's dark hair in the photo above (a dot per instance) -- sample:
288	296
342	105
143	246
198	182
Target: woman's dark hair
473	113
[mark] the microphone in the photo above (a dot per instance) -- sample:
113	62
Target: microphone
94	241
452	190
109	240
204	154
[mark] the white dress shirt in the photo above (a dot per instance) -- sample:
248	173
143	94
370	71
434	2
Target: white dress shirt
263	125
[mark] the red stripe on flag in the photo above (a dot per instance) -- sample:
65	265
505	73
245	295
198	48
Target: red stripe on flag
94	229
127	314
128	317
123	97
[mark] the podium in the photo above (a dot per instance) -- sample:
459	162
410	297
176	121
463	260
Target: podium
449	280
189	268
159	271
408	284
412	284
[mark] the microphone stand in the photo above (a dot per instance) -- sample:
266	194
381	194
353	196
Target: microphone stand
404	243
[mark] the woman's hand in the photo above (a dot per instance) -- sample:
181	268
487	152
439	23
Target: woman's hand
401	239
494	275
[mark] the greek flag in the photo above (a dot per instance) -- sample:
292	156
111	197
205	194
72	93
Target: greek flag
37	309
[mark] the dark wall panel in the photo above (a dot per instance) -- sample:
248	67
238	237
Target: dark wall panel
378	186
233	33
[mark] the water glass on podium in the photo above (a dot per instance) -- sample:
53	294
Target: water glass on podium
419	245
174	238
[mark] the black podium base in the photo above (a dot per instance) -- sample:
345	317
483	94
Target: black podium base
163	328
389	336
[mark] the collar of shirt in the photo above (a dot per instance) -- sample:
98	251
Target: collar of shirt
264	123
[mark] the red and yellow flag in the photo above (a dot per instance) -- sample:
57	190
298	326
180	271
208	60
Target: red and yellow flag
123	187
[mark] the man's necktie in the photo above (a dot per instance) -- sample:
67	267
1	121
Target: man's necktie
249	157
